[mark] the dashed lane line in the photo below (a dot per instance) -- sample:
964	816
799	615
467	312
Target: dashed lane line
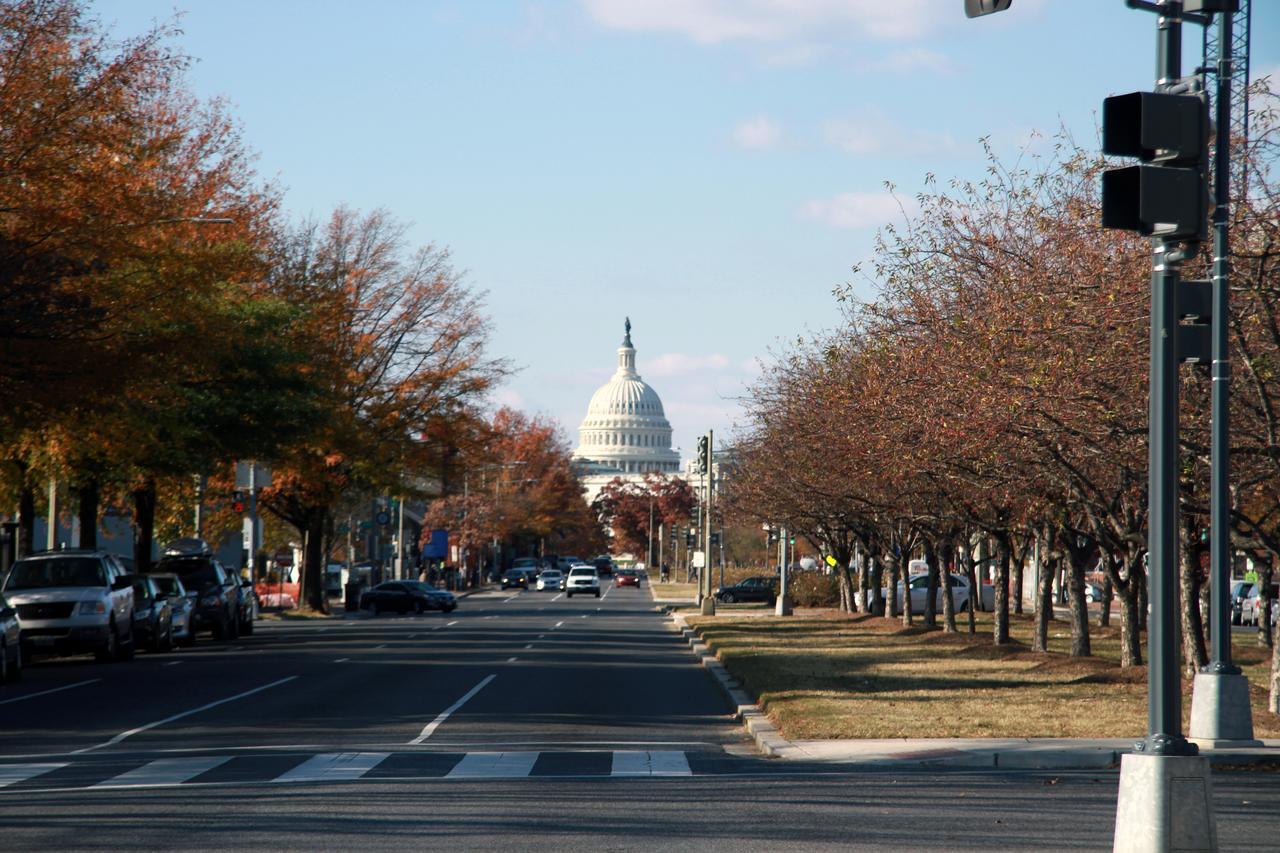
146	727
430	727
53	690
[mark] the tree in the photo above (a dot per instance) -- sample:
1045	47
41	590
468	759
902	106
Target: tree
631	509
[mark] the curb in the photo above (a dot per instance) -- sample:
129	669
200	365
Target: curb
767	737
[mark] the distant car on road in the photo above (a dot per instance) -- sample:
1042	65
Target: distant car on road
10	643
564	564
152	615
760	588
73	601
919	585
626	577
512	578
583	579
550	579
406	597
604	565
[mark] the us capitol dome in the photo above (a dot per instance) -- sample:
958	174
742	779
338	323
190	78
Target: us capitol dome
625	433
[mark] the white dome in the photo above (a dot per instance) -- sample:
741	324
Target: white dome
626	430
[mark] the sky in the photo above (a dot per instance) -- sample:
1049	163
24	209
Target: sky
713	169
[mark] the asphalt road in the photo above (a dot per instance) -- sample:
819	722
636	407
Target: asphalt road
525	720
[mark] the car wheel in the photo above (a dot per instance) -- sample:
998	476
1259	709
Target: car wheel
15	670
109	650
190	639
727	598
125	650
568	595
246	629
597	593
375	609
167	645
233	627
417	608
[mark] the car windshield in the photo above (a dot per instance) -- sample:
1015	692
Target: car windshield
57	571
549	575
195	574
581	572
169	585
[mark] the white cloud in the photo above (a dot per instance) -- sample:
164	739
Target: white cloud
874	133
757	134
675	363
856	210
714	21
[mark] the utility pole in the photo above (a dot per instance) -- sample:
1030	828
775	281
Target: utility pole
51	537
782	607
201	483
400	541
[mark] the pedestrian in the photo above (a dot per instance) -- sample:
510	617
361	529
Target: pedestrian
665	572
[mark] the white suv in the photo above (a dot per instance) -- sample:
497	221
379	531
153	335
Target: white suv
73	601
583	579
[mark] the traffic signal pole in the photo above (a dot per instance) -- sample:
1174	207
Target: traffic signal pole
1220	711
708	599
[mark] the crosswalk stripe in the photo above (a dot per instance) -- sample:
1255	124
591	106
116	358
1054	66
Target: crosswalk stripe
165	771
331	766
13	773
482	765
654	763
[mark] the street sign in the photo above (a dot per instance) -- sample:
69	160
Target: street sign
699	559
284	557
261	475
247	534
831	561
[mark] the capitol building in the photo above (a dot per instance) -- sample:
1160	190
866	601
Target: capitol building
625	433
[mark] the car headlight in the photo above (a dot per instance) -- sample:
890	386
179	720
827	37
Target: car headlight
89	608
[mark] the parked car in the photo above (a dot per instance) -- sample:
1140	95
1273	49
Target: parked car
550	580
406	597
1239	591
583	579
10	643
152	615
759	588
246	600
73	601
919	585
181	608
626	577
1093	592
515	578
1251	607
215	596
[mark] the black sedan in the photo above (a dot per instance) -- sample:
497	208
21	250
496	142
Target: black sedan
152	616
406	597
752	589
517	578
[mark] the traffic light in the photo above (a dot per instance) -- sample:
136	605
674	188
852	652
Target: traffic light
704	455
237	503
1168	196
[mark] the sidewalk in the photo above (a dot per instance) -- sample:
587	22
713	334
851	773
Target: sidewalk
1007	753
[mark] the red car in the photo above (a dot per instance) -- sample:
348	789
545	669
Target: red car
626	577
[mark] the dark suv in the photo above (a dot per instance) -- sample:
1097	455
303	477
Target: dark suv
215	593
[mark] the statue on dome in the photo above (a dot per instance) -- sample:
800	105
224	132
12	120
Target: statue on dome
626	341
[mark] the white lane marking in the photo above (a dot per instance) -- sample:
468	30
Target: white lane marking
583	616
53	690
383	646
164	771
491	617
444	715
512	660
437	628
541	636
606	593
485	765
9	774
558	597
173	663
656	763
512	598
143	728
451	624
342	660
331	766
561	622
529	646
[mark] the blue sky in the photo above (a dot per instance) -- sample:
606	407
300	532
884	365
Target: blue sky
712	168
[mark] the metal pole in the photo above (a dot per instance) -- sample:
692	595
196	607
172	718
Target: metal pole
648	554
708	600
253	522
51	537
400	541
201	481
1164	699
1219	513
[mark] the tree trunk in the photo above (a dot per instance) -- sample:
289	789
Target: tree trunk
1018	566
1273	701
144	524
946	553
971	572
1130	631
1044	591
1001	633
1194	653
1141	577
1108	596
864	586
1265	573
931	585
89	494
845	585
1079	561
313	563
26	516
876	567
900	585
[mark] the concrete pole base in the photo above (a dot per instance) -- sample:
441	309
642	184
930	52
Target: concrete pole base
1165	803
1220	711
708	607
782	607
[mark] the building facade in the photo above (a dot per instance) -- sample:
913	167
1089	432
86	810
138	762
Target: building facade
625	434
